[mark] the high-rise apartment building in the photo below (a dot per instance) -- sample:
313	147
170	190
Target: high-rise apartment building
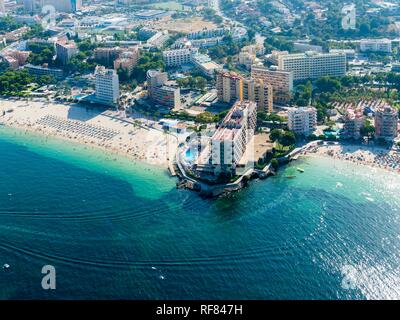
260	92
228	86
127	60
302	120
107	56
65	50
161	90
386	123
107	85
230	141
232	87
280	80
353	122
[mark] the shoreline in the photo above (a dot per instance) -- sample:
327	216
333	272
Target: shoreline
88	147
369	156
103	129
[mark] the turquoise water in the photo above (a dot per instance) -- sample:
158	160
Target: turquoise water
114	229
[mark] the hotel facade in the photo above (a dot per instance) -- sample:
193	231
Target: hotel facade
302	120
280	80
313	65
353	123
386	123
107	85
161	90
376	45
232	87
178	57
65	50
230	141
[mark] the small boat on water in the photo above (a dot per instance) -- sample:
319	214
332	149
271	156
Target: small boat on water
300	170
291	177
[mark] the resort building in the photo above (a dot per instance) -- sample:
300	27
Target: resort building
302	120
353	122
146	33
247	59
118	57
305	45
162	91
386	123
376	45
232	87
65	50
350	53
261	93
178	57
273	57
206	65
107	85
14	58
208	33
127	60
229	86
230	141
107	56
280	80
207	42
159	39
313	65
248	55
45	71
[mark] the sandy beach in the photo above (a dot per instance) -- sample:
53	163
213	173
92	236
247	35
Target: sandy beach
107	129
373	156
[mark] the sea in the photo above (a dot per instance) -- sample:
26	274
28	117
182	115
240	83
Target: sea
117	229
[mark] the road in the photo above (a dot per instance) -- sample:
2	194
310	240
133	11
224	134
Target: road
215	4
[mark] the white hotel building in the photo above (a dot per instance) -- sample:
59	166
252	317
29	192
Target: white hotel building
376	45
230	141
178	57
107	85
312	65
302	120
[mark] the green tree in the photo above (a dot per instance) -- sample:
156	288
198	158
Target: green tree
275	135
275	164
328	84
287	139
